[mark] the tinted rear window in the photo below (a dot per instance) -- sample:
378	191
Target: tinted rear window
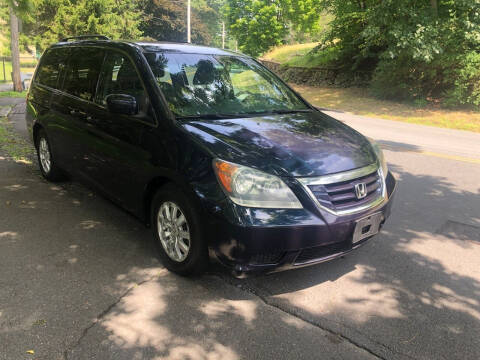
53	61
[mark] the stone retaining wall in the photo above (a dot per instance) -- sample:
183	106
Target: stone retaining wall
318	76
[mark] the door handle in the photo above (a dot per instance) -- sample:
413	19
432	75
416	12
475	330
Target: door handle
76	112
90	120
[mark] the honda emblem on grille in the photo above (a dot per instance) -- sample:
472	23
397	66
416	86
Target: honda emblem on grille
361	190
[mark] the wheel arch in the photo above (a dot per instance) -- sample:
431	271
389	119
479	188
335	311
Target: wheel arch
158	182
148	194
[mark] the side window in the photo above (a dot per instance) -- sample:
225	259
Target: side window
52	63
119	76
82	72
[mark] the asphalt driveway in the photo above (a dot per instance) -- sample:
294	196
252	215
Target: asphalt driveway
78	279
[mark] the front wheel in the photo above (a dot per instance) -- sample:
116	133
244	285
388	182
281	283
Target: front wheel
48	167
177	232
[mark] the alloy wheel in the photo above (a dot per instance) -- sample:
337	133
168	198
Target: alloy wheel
44	155
173	231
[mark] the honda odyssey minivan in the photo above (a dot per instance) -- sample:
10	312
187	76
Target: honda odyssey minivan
215	153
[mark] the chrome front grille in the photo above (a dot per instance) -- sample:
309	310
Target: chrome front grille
341	196
337	194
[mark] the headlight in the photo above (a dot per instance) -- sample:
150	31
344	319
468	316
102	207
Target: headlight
380	157
249	187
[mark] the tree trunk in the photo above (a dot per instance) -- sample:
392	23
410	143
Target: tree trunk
434	5
17	82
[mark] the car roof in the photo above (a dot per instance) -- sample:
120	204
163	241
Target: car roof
183	48
146	46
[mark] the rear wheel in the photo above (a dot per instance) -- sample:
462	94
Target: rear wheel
177	232
48	167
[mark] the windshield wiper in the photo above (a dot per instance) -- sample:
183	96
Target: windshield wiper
208	117
221	116
270	112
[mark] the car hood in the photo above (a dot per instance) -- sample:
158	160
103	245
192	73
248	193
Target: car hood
299	144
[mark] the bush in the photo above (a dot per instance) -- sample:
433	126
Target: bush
416	50
455	81
466	87
405	78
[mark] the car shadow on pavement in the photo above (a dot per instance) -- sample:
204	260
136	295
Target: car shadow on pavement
78	274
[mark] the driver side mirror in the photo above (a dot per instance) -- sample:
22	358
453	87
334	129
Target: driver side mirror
122	104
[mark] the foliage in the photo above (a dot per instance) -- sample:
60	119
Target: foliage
425	49
466	89
259	25
50	20
255	25
210	13
55	19
22	10
165	20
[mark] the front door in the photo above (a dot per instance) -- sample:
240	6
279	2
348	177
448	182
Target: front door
120	156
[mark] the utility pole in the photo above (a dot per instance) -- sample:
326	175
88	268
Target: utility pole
223	34
189	36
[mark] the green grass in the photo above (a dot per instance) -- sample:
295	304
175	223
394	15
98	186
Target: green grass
14	94
13	145
284	54
358	101
301	55
324	58
8	70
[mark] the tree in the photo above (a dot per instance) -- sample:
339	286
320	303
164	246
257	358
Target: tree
55	19
209	13
165	20
261	24
257	25
18	7
17	81
415	49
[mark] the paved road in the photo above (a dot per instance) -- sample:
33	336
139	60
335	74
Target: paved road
396	135
78	281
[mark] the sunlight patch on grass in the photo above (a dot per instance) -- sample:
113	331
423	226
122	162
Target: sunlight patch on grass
358	101
14	94
285	53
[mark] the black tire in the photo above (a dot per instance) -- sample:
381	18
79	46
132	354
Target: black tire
196	260
52	173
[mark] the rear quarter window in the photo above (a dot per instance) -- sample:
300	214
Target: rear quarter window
51	65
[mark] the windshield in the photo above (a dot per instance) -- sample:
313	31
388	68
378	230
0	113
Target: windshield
206	85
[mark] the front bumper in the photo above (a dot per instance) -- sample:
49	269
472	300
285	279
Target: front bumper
271	240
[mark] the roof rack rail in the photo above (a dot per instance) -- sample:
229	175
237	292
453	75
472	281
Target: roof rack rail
85	37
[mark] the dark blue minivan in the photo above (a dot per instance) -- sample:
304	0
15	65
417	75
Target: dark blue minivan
210	149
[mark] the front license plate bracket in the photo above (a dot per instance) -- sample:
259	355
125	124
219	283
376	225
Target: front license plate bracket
366	227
